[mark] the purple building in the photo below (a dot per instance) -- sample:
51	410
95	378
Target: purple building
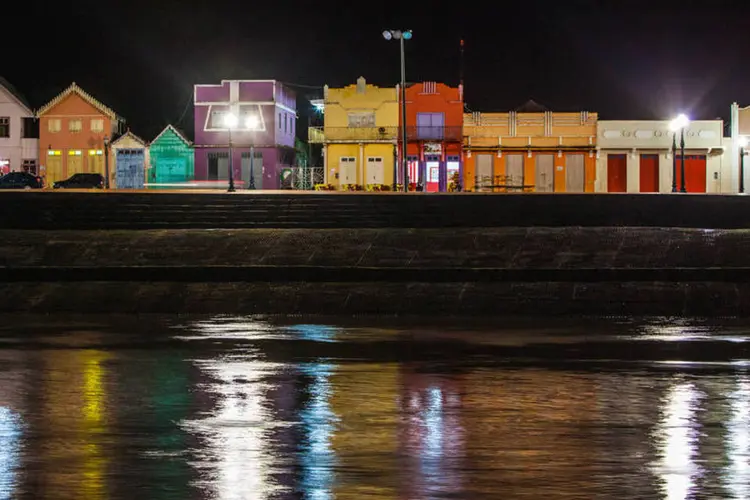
266	114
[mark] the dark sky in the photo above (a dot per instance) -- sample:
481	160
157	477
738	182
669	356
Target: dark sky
626	59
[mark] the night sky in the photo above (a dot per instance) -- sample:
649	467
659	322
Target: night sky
625	59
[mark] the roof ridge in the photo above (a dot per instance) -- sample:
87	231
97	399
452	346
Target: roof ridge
74	88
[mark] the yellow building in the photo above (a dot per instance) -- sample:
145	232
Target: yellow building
530	150
360	135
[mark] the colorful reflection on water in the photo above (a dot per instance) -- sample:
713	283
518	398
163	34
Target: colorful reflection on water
232	408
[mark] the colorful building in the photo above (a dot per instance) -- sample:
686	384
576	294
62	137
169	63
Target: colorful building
636	157
19	143
73	131
128	160
360	134
530	150
171	159
266	112
434	134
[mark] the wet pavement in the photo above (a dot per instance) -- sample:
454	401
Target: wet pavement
200	407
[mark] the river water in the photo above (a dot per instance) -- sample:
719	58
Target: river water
252	408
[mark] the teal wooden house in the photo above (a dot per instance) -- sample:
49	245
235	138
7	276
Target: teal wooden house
172	161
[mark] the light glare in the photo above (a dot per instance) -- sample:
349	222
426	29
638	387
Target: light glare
252	122
387	35
230	120
679	123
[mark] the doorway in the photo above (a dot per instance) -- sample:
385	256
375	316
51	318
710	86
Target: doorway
574	173
484	172
617	173
545	173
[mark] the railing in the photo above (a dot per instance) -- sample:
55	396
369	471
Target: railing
421	133
335	134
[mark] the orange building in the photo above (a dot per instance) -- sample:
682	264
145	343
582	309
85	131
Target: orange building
530	150
434	129
74	130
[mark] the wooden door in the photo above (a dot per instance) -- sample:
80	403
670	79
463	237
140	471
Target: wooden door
95	160
574	173
75	163
545	174
53	170
129	168
514	172
347	170
375	170
649	170
617	173
484	172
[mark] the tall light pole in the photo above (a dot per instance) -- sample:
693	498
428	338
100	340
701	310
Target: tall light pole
252	124
680	123
402	36
743	148
106	161
230	122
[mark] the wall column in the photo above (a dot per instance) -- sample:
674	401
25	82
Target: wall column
633	173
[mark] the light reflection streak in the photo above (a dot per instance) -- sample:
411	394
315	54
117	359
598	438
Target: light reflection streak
677	437
10	437
737	474
318	422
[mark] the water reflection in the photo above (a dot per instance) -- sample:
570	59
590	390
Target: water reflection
318	459
10	439
737	474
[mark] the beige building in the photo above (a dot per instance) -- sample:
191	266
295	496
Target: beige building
636	157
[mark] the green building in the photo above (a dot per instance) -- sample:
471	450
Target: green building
172	161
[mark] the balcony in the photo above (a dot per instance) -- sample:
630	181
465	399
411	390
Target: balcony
429	133
352	134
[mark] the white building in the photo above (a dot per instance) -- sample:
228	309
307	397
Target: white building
739	137
18	145
636	157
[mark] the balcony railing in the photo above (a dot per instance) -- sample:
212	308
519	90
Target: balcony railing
352	134
429	133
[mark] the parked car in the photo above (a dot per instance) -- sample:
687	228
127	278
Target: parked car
20	180
81	181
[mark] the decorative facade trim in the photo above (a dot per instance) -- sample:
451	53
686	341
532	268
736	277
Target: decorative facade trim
132	136
177	133
75	89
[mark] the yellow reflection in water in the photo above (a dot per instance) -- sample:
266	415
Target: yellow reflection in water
677	436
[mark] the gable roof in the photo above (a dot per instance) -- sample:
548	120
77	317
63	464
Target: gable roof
75	89
15	94
531	106
177	133
132	136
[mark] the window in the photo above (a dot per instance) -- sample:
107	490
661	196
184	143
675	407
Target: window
4	126
97	125
54	125
29	166
279	120
286	124
430	125
75	125
366	119
29	128
217	119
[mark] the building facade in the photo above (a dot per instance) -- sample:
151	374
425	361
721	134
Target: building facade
170	160
636	157
434	132
73	132
359	135
530	150
739	136
19	143
129	161
263	139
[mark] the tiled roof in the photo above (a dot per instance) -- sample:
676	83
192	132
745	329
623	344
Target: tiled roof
15	93
177	132
84	95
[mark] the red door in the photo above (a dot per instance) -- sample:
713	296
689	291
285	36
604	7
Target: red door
649	173
617	173
695	174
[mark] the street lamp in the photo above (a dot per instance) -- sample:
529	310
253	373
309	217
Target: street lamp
230	122
679	123
106	161
743	148
401	36
252	123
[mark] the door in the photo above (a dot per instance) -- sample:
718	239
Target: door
75	163
649	174
695	173
617	172
514	172
432	173
545	174
170	170
95	160
53	170
347	170
218	166
484	172
257	165
129	168
574	173
375	170
453	172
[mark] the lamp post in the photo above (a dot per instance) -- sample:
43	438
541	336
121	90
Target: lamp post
743	147
402	36
230	122
106	162
679	123
252	124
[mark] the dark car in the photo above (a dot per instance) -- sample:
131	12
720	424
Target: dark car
81	181
20	180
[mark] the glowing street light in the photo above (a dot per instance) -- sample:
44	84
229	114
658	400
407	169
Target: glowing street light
401	36
743	151
678	124
230	122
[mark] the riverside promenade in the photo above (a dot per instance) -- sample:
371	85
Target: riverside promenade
381	254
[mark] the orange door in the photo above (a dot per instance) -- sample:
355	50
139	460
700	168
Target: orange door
695	174
617	173
649	174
